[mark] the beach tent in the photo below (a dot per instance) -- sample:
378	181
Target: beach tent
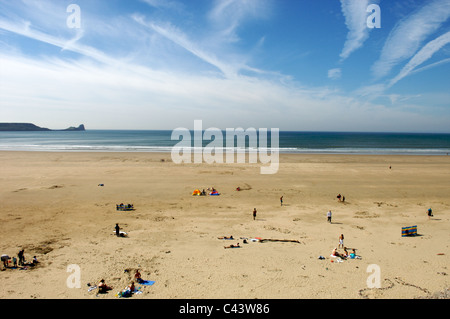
197	192
409	231
214	193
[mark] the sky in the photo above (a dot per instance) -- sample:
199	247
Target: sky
299	65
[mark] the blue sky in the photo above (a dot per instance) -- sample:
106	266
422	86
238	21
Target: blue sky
303	65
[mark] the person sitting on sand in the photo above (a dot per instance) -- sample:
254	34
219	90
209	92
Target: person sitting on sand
352	254
335	253
137	276
102	287
132	287
232	246
5	258
345	253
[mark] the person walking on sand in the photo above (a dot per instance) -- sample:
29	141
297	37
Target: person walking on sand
254	213
281	200
429	213
329	216
341	241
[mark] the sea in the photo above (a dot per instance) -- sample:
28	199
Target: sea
288	142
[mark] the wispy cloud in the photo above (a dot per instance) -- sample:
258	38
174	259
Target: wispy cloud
408	35
25	30
430	66
356	20
162	3
226	16
334	73
177	36
421	56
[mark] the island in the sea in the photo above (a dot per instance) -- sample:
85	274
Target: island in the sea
29	127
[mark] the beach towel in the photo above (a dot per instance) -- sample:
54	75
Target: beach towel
146	282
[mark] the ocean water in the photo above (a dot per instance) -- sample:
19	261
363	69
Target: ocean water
288	142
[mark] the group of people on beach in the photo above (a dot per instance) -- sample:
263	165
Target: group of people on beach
127	292
17	262
345	254
122	206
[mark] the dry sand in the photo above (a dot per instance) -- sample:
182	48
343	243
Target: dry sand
54	209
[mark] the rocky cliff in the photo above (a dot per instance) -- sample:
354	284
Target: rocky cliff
31	127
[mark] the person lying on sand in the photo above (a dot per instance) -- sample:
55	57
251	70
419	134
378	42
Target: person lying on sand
335	253
225	237
232	246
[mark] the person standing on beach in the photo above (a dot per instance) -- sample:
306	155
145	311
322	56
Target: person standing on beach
329	216
281	200
21	257
254	213
430	213
341	241
117	230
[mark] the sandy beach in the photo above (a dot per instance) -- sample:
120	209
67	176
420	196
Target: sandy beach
54	207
